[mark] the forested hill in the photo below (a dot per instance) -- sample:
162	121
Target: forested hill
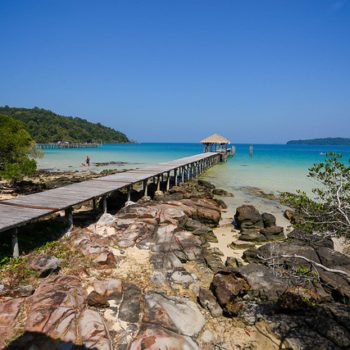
46	126
325	141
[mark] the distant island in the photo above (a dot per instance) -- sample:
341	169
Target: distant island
47	127
333	141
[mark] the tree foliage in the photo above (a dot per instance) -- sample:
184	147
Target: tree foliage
329	210
46	127
16	147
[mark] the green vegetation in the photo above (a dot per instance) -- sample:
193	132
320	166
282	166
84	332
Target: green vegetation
46	127
328	212
16	149
331	141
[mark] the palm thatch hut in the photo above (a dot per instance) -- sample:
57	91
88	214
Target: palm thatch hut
215	142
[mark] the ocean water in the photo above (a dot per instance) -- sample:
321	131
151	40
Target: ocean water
272	168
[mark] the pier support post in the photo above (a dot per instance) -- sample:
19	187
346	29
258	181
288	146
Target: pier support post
182	174
175	176
129	193
145	188
15	247
104	204
69	217
94	205
168	181
158	192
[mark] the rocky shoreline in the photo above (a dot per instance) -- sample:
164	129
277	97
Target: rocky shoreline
156	276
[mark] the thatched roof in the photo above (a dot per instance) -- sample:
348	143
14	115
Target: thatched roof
215	138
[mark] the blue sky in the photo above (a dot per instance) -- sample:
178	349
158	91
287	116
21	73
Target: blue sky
262	71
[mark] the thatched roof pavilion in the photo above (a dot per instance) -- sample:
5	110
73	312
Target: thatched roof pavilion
214	141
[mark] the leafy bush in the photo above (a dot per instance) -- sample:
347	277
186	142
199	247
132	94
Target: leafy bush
16	146
329	211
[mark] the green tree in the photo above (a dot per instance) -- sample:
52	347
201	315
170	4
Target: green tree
16	150
328	212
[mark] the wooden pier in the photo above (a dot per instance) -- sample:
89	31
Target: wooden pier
68	145
25	209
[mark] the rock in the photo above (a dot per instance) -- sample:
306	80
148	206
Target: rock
109	287
220	203
247	214
298	298
331	258
92	331
299	237
207	215
227	287
157	338
269	220
55	306
106	219
232	262
194	225
289	214
177	314
44	264
97	300
208	301
253	235
263	282
182	277
8	312
105	260
206	184
213	260
22	291
221	192
273	233
130	307
238	244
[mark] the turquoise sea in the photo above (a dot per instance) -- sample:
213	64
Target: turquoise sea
272	168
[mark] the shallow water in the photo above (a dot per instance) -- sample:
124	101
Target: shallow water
273	168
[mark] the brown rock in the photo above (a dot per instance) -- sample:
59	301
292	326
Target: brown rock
97	300
289	214
108	287
227	287
44	264
8	313
298	298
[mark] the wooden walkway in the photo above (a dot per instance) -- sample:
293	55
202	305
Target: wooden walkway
24	209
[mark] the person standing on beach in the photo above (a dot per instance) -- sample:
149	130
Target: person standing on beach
87	160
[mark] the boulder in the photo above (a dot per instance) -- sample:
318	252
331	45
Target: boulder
208	301
273	233
109	287
228	287
299	237
206	184
248	214
177	314
97	300
8	313
263	283
221	192
289	214
298	298
44	264
269	220
153	337
130	307
232	262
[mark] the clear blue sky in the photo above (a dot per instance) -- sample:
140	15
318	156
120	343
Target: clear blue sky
254	70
